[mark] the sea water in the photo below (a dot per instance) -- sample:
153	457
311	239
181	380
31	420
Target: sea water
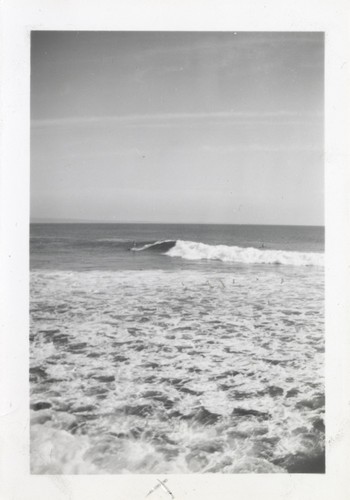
176	349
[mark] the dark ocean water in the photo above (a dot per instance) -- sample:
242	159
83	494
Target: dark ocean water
107	246
176	349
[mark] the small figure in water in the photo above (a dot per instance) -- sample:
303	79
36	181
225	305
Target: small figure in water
262	245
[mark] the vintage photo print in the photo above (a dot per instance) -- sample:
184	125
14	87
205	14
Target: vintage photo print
177	252
174	250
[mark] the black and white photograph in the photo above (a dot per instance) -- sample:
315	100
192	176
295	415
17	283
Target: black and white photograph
177	252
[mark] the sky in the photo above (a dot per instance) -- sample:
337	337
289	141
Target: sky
177	127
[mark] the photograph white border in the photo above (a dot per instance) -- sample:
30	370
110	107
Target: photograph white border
18	18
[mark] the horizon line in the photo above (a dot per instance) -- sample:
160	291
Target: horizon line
84	221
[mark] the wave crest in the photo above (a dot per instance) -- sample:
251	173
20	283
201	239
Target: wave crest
156	246
191	250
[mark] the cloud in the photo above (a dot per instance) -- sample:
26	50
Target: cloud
263	148
204	41
164	119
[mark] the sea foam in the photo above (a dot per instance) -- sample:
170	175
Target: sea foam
191	250
176	372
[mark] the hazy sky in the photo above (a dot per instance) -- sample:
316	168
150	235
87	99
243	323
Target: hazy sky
177	127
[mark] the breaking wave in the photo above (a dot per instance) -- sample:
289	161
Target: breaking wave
191	250
157	246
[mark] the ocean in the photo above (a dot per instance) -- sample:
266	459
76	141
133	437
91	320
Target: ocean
169	348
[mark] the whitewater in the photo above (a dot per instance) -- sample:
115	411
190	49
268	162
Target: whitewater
191	250
210	372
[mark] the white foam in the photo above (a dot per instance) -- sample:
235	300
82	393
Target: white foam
248	343
191	250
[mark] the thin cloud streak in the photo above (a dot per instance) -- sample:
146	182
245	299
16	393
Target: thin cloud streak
261	148
174	117
237	39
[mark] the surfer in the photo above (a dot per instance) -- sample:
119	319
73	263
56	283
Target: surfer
133	246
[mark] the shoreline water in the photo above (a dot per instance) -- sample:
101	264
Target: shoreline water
162	371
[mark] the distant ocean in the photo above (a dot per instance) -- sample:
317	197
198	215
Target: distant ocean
169	348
